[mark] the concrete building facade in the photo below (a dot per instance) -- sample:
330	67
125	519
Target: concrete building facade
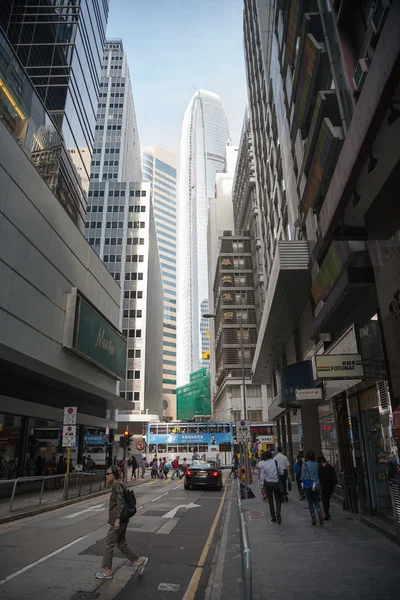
159	168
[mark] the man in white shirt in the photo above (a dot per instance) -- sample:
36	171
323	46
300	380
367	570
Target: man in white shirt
271	472
284	463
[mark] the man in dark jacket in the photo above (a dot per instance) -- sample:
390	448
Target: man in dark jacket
328	481
117	533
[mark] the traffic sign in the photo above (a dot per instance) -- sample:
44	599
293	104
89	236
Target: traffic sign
243	434
140	446
69	436
70	415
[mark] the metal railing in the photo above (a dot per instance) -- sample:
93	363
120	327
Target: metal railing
71	487
244	549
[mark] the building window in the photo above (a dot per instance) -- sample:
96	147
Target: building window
138	314
137	374
138	353
236	391
253	391
129	374
129	396
131	333
136	396
126	314
254	416
138	333
131	353
236	415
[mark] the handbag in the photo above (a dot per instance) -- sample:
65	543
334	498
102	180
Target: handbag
309	484
280	484
289	485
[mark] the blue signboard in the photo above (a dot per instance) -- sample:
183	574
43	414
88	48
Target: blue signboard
296	376
211	439
94	440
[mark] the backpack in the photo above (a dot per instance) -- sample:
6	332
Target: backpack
129	509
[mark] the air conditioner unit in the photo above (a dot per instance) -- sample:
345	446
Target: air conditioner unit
360	73
384	396
379	13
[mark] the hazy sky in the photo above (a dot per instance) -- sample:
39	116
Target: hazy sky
173	45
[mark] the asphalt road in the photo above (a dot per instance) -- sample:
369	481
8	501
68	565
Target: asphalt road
56	555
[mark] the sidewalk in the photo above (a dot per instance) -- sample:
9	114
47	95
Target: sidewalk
27	505
343	559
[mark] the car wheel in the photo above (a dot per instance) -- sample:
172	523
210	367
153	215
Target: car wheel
186	486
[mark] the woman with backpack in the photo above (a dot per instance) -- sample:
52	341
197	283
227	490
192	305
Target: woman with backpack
312	486
297	473
117	533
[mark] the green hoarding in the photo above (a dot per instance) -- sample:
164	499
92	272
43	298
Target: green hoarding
98	341
194	398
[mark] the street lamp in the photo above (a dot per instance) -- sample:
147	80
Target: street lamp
245	453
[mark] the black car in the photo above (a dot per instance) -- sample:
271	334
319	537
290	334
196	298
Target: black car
203	473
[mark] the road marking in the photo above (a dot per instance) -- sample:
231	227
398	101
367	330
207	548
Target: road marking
37	562
220	557
169	587
158	497
195	580
98	508
178	486
172	513
139	507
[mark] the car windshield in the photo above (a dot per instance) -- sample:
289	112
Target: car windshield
203	464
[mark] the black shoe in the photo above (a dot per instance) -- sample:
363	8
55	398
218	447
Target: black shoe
273	520
279	520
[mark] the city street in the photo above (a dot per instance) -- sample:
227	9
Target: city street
57	554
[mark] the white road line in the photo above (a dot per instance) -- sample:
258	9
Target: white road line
154	499
37	562
139	507
178	486
98	508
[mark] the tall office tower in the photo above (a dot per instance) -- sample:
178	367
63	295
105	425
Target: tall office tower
61	47
120	226
159	167
205	134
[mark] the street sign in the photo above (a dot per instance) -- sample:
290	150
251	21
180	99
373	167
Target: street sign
69	436
69	415
140	446
309	394
243	434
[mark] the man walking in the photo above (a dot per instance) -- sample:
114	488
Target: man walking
175	466
143	465
270	475
284	463
117	533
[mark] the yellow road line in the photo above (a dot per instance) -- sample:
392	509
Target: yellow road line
195	580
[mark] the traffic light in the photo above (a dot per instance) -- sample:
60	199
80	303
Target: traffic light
127	437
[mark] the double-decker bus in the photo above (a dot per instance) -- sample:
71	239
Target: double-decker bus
212	439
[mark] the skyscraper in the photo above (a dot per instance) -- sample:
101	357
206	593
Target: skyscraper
205	134
120	226
159	167
61	47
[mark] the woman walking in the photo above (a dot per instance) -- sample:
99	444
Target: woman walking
312	487
328	480
134	466
298	466
117	533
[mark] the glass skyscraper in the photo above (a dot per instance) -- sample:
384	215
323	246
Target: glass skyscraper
159	167
60	43
205	134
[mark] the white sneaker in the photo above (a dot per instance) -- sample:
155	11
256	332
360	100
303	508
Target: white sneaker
142	566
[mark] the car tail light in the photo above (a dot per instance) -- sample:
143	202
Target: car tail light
189	472
215	474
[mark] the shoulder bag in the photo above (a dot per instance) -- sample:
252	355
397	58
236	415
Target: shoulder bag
280	484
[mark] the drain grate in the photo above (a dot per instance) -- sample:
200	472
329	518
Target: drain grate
135	525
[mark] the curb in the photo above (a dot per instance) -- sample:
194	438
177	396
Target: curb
38	511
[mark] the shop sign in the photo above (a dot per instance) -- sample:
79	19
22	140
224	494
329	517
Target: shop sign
266	439
338	366
95	440
94	338
309	394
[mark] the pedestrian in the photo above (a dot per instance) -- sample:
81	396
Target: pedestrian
270	472
117	533
154	469
311	486
260	482
328	481
60	471
234	466
161	466
284	462
184	466
203	457
143	465
175	466
134	466
297	473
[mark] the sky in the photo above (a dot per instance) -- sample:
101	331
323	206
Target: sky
173	45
